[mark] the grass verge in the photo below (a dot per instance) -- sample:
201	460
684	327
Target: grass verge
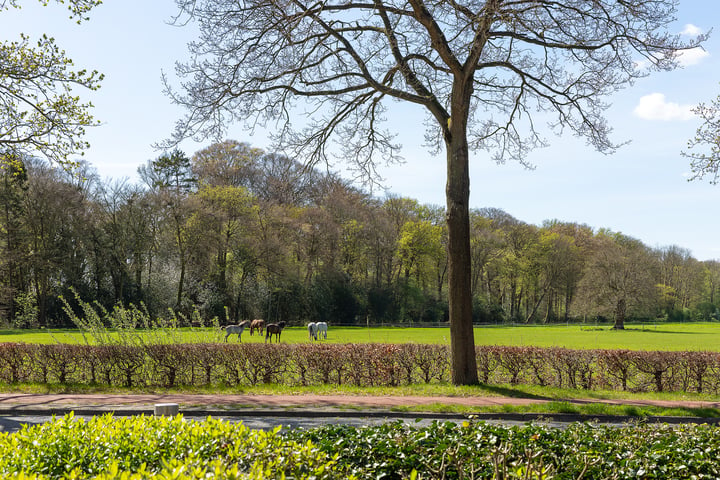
566	407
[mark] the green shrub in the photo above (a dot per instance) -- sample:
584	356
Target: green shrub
158	447
481	450
108	448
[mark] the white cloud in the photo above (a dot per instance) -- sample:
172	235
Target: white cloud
691	30
692	56
656	107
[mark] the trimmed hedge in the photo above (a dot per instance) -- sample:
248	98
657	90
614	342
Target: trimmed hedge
133	448
176	365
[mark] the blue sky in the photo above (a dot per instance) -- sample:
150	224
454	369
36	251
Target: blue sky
641	191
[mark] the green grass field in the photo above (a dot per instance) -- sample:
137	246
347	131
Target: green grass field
674	336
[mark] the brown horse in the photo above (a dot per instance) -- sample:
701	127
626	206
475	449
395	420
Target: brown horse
273	329
258	325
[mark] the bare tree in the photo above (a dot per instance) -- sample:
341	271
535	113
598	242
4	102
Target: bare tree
484	71
704	149
619	279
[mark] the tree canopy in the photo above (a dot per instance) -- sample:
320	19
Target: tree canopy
40	114
329	253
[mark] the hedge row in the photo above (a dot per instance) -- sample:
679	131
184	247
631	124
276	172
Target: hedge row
175	365
395	451
163	448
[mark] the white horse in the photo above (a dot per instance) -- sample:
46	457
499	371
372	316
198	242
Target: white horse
233	329
321	329
312	330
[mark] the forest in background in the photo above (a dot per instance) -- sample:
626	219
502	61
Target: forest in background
236	232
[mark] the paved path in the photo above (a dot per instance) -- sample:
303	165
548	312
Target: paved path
18	401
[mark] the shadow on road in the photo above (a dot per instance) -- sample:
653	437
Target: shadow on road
12	424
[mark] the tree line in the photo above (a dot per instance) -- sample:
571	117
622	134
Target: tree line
237	232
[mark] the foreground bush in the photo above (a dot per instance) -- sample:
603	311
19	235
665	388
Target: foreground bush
480	450
198	364
107	448
158	447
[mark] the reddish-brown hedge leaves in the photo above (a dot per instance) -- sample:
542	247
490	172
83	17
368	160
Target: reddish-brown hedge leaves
180	365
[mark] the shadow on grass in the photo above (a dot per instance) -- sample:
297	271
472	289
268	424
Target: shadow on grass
513	392
640	330
649	411
589	407
11	332
703	412
36	331
652	330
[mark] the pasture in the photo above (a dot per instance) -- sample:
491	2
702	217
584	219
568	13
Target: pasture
671	336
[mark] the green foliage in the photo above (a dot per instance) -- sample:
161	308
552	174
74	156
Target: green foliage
40	112
318	250
172	171
106	448
480	450
77	8
334	299
27	311
707	311
486	312
158	447
134	325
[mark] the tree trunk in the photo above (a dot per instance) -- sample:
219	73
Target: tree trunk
535	307
462	340
620	315
183	261
568	299
513	299
181	282
549	309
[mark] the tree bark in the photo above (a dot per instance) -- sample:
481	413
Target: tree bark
620	314
462	340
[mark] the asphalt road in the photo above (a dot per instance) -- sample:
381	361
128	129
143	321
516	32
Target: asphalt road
13	423
295	411
305	418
